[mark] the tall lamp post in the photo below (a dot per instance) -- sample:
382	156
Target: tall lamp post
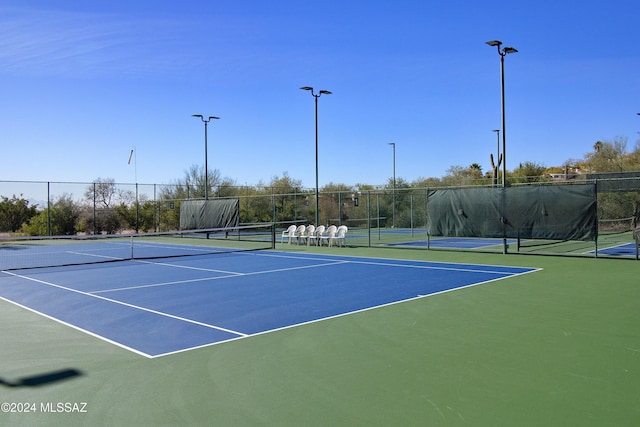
393	144
497	131
503	52
316	96
206	156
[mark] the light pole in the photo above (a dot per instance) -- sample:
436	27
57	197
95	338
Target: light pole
322	92
497	131
393	144
134	154
206	156
503	52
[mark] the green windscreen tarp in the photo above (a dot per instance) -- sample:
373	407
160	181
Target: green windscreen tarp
612	182
200	214
468	212
562	212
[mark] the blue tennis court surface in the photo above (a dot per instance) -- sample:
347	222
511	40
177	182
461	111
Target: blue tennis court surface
627	249
456	243
156	308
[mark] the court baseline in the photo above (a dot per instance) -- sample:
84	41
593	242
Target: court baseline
159	308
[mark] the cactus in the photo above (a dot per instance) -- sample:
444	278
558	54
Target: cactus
495	167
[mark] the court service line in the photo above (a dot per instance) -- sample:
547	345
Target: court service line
149	310
608	248
77	328
203	279
428	265
431	267
164	264
344	314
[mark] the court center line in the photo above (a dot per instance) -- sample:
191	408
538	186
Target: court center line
149	310
187	267
346	313
203	279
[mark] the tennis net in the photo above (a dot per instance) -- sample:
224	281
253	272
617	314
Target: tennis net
18	253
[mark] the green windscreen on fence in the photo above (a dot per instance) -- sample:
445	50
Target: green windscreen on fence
199	214
611	182
541	212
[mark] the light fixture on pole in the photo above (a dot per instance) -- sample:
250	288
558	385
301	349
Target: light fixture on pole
206	156
393	144
316	96
502	52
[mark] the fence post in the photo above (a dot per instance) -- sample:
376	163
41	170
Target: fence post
48	208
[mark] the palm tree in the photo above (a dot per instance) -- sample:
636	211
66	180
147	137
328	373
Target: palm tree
597	146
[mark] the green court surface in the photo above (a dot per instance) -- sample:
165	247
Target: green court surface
560	347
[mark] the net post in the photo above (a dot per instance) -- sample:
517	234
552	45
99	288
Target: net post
273	235
131	246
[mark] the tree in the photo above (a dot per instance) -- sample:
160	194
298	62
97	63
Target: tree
101	196
101	191
288	202
528	172
458	175
14	212
192	186
608	156
426	182
61	219
336	200
140	216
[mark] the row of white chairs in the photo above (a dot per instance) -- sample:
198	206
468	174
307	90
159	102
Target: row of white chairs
332	235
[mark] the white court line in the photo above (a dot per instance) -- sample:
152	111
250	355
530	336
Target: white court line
235	274
606	248
77	328
137	307
431	264
335	316
324	257
338	260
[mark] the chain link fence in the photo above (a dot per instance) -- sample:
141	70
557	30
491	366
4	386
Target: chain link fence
375	217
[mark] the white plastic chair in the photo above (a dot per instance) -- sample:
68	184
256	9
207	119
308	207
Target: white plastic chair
341	233
288	233
311	233
300	233
319	234
331	234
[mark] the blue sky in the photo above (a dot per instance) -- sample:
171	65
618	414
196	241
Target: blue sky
84	82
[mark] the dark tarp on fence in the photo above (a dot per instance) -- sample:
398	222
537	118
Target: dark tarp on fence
200	214
465	212
565	212
612	182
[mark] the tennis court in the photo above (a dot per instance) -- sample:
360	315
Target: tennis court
331	336
158	307
622	249
457	243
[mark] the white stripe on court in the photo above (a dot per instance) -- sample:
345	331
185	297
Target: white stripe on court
204	279
149	310
428	265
